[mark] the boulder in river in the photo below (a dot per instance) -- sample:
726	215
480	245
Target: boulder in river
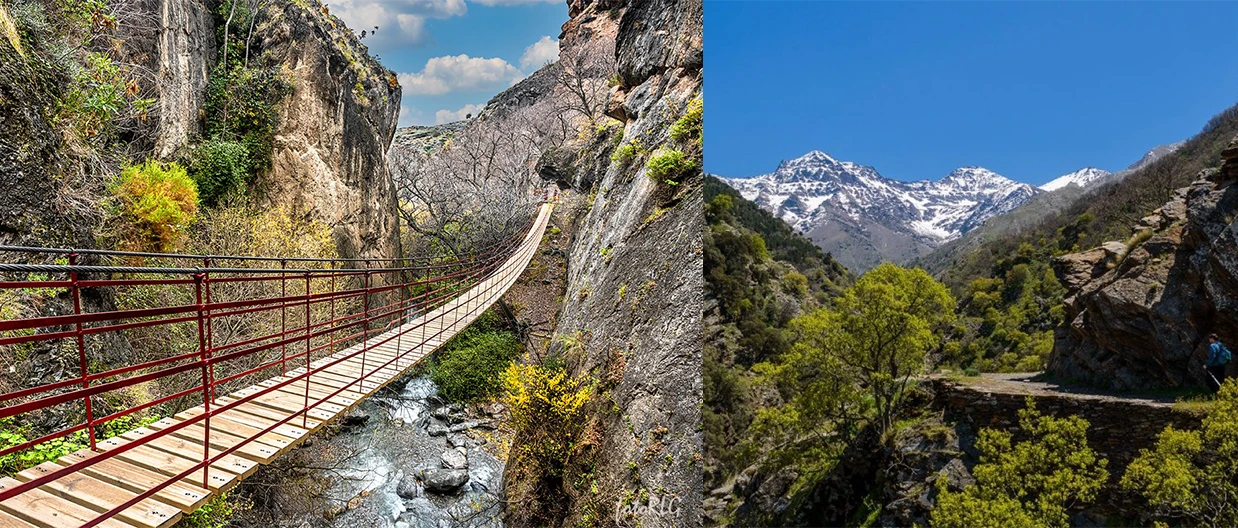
455	459
355	418
463	426
442	413
494	409
437	429
408	488
457	440
444	480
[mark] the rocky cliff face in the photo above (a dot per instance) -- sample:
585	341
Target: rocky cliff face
1138	313
29	153
634	272
330	152
174	42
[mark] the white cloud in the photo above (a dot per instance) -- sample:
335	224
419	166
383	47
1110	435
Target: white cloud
400	22
540	53
447	116
459	73
515	2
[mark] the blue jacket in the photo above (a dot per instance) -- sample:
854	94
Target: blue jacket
1217	355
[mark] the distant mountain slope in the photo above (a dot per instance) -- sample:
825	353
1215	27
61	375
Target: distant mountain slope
864	218
1104	211
941	261
759	274
783	243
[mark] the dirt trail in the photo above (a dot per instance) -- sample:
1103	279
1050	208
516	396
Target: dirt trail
1037	384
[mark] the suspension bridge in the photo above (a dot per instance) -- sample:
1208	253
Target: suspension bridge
335	332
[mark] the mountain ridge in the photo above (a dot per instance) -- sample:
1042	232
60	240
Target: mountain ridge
863	218
854	212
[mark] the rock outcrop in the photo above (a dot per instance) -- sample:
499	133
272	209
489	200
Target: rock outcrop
330	152
174	42
1138	314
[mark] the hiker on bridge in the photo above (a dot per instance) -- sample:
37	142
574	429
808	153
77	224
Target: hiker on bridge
1218	358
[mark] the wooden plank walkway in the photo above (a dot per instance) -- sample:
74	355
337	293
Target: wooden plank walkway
81	497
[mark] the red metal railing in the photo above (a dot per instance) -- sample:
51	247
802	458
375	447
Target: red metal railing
377	295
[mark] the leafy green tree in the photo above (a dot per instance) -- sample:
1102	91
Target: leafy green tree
1192	474
851	363
878	333
1032	483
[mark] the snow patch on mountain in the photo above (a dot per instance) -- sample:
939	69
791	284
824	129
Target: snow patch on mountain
1082	177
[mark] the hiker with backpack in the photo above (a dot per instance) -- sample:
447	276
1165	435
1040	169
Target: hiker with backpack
1218	358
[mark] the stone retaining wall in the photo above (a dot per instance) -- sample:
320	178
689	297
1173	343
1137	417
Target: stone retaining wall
1119	427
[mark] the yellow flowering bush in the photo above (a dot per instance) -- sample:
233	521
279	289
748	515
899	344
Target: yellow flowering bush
547	407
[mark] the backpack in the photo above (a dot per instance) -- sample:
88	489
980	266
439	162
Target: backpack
1226	355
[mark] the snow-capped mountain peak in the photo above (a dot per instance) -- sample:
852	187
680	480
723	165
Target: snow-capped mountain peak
976	179
842	201
1082	177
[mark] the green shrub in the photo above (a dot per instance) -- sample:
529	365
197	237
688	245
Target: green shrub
216	513
627	152
12	435
241	106
1029	483
219	167
469	366
242	99
668	165
690	126
1188	476
159	200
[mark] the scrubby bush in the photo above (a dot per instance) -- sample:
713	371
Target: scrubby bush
471	364
627	152
159	201
216	513
690	126
667	165
1189	474
1032	483
220	168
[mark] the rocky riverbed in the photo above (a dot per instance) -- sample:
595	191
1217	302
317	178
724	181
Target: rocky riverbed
418	462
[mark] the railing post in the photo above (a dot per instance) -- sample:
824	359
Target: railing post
305	414
210	340
365	330
400	317
427	286
333	334
83	366
283	318
206	385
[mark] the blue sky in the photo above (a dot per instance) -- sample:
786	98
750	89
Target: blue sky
452	56
1030	90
